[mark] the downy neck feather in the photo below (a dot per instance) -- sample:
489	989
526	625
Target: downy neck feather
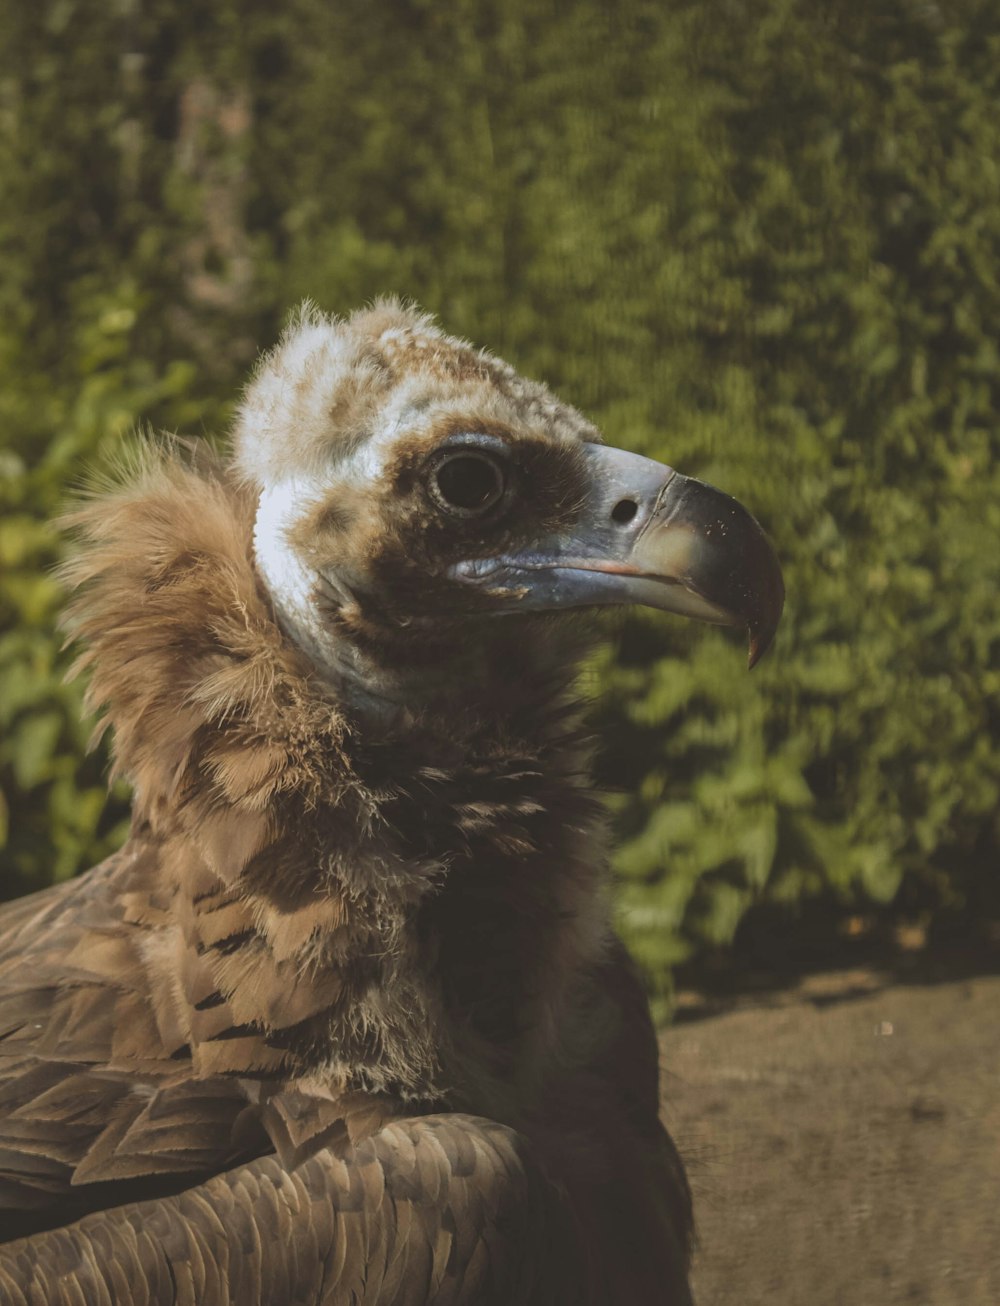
426	891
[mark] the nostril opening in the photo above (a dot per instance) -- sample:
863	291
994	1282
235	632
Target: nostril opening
623	511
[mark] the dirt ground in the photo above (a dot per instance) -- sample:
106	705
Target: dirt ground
843	1141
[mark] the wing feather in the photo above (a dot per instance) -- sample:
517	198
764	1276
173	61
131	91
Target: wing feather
401	1221
98	1082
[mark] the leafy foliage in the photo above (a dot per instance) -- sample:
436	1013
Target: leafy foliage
758	242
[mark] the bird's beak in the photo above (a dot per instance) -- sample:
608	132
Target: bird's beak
647	535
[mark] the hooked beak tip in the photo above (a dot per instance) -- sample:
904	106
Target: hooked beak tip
758	647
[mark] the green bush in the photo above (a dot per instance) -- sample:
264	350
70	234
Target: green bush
756	241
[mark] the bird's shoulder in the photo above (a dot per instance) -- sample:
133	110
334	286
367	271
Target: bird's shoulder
100	1097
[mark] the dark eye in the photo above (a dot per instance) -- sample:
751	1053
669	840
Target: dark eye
468	483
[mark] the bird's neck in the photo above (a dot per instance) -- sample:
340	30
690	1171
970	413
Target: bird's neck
510	838
401	908
414	926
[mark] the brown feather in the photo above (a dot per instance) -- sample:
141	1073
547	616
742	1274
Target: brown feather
372	1229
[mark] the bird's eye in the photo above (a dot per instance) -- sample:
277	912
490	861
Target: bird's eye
468	483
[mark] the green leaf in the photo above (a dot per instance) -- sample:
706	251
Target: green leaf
34	744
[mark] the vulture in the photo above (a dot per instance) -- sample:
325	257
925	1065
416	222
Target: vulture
345	1020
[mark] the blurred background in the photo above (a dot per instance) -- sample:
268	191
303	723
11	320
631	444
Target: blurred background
758	241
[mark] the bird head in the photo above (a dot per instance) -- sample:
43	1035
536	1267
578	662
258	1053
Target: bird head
412	489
